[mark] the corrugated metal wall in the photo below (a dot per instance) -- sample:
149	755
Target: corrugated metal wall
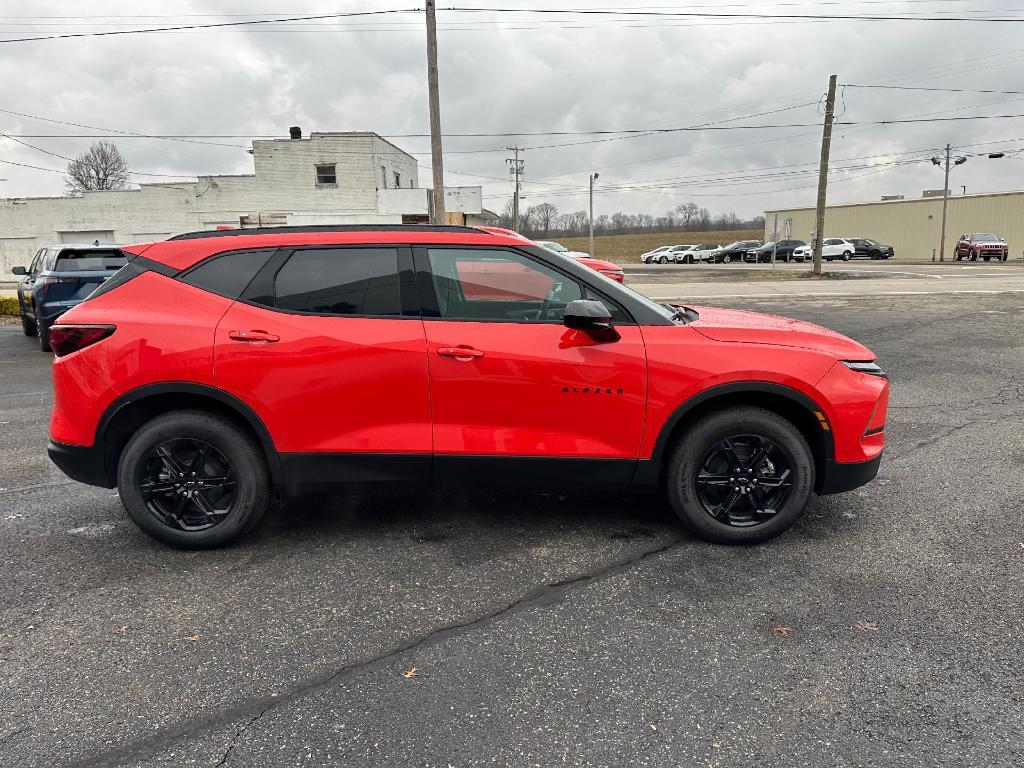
912	226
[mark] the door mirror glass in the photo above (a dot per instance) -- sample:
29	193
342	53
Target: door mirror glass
19	270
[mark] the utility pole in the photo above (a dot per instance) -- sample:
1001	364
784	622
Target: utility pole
515	169
437	213
945	202
593	178
826	144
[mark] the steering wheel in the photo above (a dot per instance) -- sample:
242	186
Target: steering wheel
545	305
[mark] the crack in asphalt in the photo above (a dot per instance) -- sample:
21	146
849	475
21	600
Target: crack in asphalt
255	709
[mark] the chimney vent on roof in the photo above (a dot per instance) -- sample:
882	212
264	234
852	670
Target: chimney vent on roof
295	132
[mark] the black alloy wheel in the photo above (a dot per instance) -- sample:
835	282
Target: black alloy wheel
188	484
740	475
193	479
744	480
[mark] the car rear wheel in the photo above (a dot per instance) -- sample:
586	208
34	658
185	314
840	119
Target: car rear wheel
740	476
726	259
43	331
847	255
28	325
193	480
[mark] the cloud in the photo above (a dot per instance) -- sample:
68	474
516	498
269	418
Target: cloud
528	74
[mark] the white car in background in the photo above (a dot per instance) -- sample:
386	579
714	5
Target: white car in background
831	248
658	255
551	245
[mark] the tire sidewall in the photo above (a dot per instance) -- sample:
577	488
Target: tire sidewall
237	447
687	460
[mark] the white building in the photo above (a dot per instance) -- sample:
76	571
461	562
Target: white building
327	178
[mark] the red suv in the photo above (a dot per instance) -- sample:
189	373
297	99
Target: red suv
217	371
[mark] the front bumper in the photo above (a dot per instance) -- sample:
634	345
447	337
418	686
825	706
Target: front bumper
83	463
842	476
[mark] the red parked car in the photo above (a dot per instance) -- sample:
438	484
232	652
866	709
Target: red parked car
983	244
218	370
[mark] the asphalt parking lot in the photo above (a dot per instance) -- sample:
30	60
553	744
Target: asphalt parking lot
467	630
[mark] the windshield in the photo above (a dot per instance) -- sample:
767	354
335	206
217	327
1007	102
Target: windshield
984	237
768	246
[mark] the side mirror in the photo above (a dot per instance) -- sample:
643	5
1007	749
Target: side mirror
591	317
19	270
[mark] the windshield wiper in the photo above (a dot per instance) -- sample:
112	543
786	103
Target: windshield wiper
681	314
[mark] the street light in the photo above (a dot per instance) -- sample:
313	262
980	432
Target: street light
593	178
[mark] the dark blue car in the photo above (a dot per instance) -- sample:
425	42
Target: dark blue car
59	277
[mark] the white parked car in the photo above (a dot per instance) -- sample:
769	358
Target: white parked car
831	248
658	255
551	245
695	254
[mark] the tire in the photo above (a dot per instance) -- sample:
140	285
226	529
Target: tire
974	256
229	453
43	330
663	259
695	454
986	258
1005	256
28	325
847	255
727	259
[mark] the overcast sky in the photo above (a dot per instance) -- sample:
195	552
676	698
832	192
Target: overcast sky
532	73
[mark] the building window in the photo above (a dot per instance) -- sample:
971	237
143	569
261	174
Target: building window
383	177
398	180
326	175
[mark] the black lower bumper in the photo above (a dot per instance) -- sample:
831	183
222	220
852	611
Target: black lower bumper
840	476
85	464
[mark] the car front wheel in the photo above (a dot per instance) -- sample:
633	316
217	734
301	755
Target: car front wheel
847	255
193	480
727	259
740	476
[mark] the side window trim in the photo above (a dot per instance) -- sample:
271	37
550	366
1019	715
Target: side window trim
261	291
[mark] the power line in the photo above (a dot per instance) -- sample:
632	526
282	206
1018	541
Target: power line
212	25
712	15
941	90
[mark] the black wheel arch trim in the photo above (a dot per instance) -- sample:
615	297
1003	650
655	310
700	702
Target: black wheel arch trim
226	399
648	472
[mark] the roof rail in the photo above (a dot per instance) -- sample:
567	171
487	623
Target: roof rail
328	228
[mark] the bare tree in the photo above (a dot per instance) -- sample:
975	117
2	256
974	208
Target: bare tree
543	217
102	167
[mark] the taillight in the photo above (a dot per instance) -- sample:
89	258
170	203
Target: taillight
66	339
613	274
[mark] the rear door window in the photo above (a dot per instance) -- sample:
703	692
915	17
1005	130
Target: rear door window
340	281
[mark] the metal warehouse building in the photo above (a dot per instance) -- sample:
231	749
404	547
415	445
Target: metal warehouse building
912	227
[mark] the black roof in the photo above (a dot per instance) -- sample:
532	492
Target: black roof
328	228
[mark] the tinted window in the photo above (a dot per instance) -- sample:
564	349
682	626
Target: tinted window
229	273
340	281
86	261
476	284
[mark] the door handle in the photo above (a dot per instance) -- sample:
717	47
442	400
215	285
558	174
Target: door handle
253	337
463	352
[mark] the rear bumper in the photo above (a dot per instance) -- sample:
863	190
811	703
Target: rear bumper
843	476
82	463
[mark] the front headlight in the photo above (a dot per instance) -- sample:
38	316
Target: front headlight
864	366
